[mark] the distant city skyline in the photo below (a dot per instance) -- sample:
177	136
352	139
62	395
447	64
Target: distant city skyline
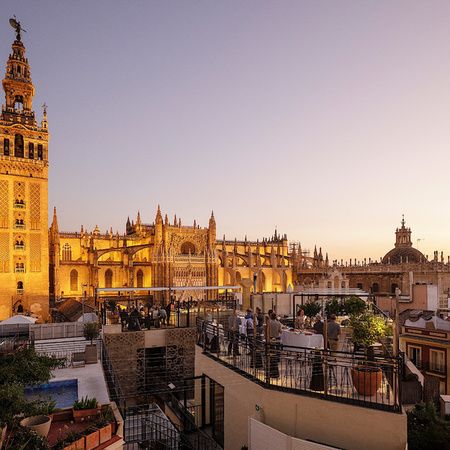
327	120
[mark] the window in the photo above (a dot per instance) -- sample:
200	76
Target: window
415	355
394	286
31	150
67	252
19	223
20	289
18	146
139	279
6	147
74	280
20	267
40	152
108	278
437	361
19	244
375	287
359	286
188	248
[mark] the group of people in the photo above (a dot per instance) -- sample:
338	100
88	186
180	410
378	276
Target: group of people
254	324
333	328
138	318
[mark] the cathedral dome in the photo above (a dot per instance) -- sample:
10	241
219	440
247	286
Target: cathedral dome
403	252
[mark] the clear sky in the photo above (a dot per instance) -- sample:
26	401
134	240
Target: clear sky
327	119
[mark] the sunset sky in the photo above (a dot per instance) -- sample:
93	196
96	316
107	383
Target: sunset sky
325	119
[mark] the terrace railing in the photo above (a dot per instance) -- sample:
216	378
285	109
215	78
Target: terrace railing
337	376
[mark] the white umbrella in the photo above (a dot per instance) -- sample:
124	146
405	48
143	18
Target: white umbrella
19	318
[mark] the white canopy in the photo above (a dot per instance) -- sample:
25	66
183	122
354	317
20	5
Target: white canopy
19	318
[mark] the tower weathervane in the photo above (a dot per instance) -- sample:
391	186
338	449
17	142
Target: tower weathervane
16	25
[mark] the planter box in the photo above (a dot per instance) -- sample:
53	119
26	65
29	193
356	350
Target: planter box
92	440
90	354
80	415
77	445
105	433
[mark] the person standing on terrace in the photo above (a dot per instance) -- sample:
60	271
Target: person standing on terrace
333	331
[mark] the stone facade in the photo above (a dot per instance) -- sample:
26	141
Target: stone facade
24	272
163	254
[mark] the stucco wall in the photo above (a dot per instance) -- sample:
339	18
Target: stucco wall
327	422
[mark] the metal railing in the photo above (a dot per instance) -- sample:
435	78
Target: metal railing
338	376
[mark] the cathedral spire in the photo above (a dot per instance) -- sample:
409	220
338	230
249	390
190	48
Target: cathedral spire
158	216
54	225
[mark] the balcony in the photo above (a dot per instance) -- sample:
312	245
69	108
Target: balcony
19	270
19	247
19	205
19	226
19	291
336	376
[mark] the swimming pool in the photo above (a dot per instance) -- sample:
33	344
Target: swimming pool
64	392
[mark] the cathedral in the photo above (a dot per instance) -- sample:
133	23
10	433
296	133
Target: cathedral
37	264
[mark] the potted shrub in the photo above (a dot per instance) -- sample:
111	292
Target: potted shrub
367	330
85	408
311	309
335	307
91	332
354	306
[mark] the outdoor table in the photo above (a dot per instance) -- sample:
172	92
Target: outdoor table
299	339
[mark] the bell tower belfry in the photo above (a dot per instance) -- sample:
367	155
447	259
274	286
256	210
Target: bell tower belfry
24	252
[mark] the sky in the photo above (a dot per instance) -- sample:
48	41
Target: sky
325	119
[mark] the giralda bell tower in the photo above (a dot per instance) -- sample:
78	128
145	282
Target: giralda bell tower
24	282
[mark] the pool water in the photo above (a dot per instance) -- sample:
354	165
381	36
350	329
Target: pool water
64	393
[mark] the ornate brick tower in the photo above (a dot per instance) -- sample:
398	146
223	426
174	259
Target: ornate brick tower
24	276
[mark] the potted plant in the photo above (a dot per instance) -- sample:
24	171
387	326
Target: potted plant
85	408
91	332
105	424
311	309
39	424
367	330
334	306
354	306
92	438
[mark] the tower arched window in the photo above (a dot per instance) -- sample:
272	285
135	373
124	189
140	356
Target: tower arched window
139	279
108	278
40	152
18	146
73	280
67	252
6	147
31	150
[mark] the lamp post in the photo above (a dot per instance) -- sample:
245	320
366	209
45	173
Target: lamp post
83	299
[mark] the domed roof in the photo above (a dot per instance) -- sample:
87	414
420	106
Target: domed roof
402	255
403	252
